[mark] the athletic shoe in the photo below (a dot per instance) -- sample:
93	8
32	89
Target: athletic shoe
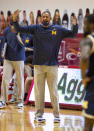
56	119
12	101
2	104
39	119
20	105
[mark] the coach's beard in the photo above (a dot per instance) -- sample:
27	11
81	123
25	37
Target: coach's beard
45	23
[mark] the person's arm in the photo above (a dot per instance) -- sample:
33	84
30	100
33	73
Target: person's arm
70	33
22	29
29	44
3	49
29	49
4	45
86	45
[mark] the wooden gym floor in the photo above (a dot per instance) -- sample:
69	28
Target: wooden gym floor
13	119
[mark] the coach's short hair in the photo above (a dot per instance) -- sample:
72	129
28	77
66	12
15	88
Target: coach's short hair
46	11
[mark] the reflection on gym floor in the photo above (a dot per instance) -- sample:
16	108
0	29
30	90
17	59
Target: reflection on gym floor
13	119
68	123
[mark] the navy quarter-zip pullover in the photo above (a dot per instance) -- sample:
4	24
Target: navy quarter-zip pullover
15	50
46	41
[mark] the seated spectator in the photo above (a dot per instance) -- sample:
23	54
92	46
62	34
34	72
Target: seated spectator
8	18
80	21
24	21
65	20
38	18
31	17
71	19
2	22
56	18
87	12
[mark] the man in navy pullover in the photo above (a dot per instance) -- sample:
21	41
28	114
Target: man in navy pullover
14	60
47	40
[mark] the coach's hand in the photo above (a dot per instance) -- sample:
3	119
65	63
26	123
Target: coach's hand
15	14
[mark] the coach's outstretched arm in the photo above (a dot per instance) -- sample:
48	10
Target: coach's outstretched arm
70	33
22	29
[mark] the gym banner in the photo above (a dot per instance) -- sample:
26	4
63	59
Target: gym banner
70	88
69	53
